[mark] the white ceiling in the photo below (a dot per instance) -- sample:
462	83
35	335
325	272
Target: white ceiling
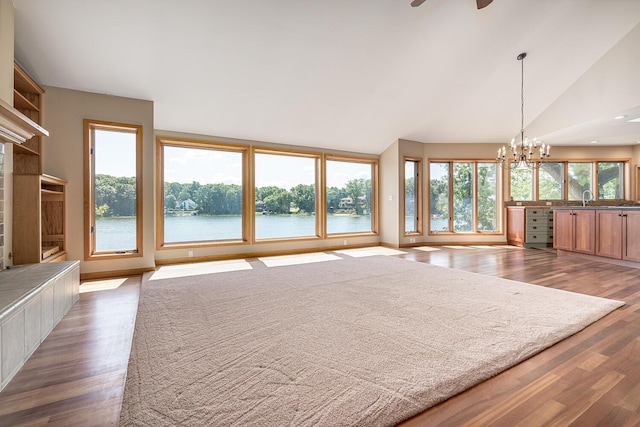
343	74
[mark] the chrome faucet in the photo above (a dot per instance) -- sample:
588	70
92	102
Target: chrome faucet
584	200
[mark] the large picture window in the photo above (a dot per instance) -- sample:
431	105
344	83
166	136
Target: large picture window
350	195
113	190
285	195
202	188
464	197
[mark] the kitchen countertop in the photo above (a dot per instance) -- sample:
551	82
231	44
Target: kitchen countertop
597	207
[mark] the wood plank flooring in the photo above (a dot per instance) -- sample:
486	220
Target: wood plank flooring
76	376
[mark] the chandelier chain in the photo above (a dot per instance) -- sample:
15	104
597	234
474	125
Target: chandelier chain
522	157
522	99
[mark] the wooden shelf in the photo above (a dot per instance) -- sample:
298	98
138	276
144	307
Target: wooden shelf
23	149
39	233
23	82
51	196
21	102
47	251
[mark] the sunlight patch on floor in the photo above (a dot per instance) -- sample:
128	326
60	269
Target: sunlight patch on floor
509	247
374	250
282	260
427	248
482	246
456	247
200	268
101	285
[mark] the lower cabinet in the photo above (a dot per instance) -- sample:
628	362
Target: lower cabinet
618	234
574	230
529	226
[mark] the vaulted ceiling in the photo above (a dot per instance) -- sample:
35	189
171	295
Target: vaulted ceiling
352	75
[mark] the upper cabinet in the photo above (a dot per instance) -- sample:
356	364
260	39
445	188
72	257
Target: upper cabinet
27	98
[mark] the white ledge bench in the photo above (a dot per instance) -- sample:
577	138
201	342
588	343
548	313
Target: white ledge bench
33	299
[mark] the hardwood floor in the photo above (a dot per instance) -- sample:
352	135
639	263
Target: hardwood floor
76	376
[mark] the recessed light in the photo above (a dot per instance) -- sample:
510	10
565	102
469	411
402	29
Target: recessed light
594	141
619	117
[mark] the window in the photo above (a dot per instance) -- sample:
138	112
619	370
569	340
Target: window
439	197
610	180
203	193
350	190
285	195
463	215
488	197
412	196
551	181
464	197
580	179
521	184
579	176
113	190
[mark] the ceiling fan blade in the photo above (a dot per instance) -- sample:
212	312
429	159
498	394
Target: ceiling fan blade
416	3
483	3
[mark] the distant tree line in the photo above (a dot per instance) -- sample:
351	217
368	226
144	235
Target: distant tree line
115	196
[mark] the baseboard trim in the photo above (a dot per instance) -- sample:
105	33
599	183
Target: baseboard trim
114	273
250	255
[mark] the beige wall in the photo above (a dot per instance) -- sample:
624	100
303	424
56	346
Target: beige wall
6	50
6	93
64	111
389	195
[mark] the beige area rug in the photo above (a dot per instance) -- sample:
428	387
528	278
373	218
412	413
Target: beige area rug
359	341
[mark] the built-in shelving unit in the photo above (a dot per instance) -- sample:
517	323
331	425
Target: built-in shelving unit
39	199
27	98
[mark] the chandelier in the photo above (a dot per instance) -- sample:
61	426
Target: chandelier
521	156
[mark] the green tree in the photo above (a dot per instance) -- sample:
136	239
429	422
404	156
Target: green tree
303	196
334	195
360	191
170	201
462	197
278	202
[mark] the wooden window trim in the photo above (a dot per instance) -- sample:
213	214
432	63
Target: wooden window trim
499	198
418	190
319	196
90	126
375	195
162	142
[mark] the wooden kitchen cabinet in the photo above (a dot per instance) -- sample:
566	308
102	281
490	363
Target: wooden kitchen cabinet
574	230
618	234
530	227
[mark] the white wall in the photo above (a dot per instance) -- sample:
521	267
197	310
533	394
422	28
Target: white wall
605	90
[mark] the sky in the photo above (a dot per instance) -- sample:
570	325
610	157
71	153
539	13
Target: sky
115	155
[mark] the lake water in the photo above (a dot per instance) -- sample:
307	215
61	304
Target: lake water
119	233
